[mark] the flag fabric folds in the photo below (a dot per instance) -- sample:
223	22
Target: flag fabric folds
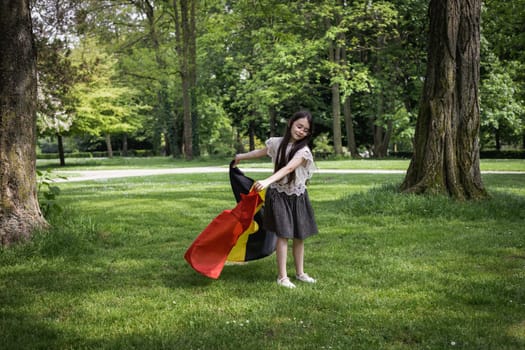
235	234
254	243
208	253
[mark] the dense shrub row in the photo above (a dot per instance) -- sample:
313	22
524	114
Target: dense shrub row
97	154
490	154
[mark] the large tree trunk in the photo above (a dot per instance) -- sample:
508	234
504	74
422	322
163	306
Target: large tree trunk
446	148
19	210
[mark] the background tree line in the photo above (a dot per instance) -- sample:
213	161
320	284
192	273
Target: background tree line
187	78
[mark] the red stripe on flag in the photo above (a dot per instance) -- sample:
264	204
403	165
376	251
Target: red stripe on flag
208	253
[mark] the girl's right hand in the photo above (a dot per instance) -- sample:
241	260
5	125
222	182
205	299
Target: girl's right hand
236	160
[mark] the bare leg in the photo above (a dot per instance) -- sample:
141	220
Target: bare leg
281	250
298	255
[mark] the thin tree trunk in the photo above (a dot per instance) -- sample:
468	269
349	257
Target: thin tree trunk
184	24
382	140
251	136
162	111
334	54
347	114
125	145
192	66
498	139
381	136
239	146
187	138
61	154
109	148
377	131
167	144
446	149
336	119
20	213
349	124
273	118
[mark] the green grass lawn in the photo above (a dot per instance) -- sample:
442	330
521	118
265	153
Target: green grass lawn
394	271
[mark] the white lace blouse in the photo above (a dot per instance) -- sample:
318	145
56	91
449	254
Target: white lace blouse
302	173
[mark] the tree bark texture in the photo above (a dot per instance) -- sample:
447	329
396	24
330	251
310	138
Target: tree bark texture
334	55
273	121
381	136
336	119
446	145
61	153
20	214
107	138
349	125
185	36
162	111
192	50
347	115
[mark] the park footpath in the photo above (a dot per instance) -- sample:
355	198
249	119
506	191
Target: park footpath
87	175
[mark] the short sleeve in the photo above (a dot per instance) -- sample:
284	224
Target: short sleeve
305	172
272	145
304	153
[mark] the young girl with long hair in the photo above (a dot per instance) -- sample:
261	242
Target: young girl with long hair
288	212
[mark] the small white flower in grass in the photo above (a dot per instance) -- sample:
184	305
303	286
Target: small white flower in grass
453	343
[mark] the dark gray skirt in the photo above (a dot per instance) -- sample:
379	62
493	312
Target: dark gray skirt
289	216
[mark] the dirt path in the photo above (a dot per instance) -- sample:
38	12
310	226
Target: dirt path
73	176
111	174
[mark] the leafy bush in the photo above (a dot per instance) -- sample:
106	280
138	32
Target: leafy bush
47	191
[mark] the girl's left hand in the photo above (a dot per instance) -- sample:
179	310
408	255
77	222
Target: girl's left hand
261	185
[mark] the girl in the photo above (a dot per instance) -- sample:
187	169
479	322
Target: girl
287	211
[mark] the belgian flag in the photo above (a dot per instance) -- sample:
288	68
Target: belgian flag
234	235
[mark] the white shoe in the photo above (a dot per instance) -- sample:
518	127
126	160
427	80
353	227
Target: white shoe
285	282
305	278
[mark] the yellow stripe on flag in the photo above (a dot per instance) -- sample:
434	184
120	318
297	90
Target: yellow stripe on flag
238	252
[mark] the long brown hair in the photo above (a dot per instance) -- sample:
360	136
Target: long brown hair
282	159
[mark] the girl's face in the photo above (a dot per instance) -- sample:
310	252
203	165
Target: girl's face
300	129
